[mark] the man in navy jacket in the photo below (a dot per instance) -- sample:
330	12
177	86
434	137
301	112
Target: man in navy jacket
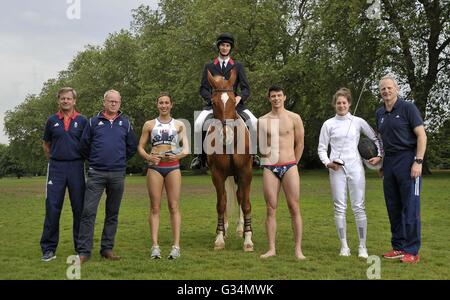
108	141
404	139
222	66
62	136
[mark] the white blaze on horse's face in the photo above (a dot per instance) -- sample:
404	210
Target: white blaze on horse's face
224	99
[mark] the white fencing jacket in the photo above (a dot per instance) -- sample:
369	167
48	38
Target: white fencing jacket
343	145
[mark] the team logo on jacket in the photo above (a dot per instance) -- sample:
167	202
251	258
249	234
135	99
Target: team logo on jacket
120	123
56	125
397	117
100	123
382	120
75	124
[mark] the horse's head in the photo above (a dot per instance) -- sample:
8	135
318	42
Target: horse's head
223	98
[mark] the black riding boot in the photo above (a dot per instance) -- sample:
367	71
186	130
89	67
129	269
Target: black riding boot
256	161
198	162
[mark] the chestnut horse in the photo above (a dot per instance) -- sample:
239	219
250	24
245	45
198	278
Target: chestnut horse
227	145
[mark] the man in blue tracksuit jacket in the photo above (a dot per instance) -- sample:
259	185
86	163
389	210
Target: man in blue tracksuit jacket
62	136
404	140
108	141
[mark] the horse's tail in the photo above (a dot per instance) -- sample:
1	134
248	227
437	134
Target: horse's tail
233	209
232	203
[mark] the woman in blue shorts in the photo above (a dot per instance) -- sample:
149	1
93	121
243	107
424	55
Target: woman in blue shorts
166	136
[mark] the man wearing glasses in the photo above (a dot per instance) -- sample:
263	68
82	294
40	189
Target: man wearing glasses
108	141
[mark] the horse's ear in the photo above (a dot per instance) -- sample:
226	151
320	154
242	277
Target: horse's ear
211	79
233	76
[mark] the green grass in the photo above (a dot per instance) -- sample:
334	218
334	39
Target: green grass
22	212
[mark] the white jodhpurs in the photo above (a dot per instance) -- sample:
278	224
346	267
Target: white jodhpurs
198	129
200	126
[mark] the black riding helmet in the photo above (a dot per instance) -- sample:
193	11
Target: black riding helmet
225	38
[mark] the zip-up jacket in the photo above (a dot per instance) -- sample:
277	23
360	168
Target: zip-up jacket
107	145
342	133
64	136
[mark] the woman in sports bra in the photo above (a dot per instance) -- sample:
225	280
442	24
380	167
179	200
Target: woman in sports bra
166	137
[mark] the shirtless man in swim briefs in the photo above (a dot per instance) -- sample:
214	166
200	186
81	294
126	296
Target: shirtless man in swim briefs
285	135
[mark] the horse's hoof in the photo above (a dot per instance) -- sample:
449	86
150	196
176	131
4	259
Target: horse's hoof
248	248
219	247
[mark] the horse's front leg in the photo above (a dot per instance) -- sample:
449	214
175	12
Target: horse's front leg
244	200
219	183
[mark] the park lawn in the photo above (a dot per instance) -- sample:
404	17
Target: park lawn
22	213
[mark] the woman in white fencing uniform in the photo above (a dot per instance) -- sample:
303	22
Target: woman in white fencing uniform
342	133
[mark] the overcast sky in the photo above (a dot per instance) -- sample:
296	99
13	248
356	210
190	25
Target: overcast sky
39	38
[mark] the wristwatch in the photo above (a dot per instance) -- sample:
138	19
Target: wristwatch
419	161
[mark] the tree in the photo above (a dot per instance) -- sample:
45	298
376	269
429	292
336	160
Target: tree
344	46
439	147
420	51
310	47
25	126
9	165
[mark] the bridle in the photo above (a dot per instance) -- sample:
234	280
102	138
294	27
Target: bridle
222	90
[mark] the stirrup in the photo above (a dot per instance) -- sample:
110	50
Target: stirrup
197	163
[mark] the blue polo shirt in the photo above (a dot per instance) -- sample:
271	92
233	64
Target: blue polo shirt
108	144
396	127
64	138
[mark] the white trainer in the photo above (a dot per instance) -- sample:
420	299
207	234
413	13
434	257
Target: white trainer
156	252
345	252
362	252
174	253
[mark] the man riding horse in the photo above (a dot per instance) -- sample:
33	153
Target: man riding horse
222	66
228	146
